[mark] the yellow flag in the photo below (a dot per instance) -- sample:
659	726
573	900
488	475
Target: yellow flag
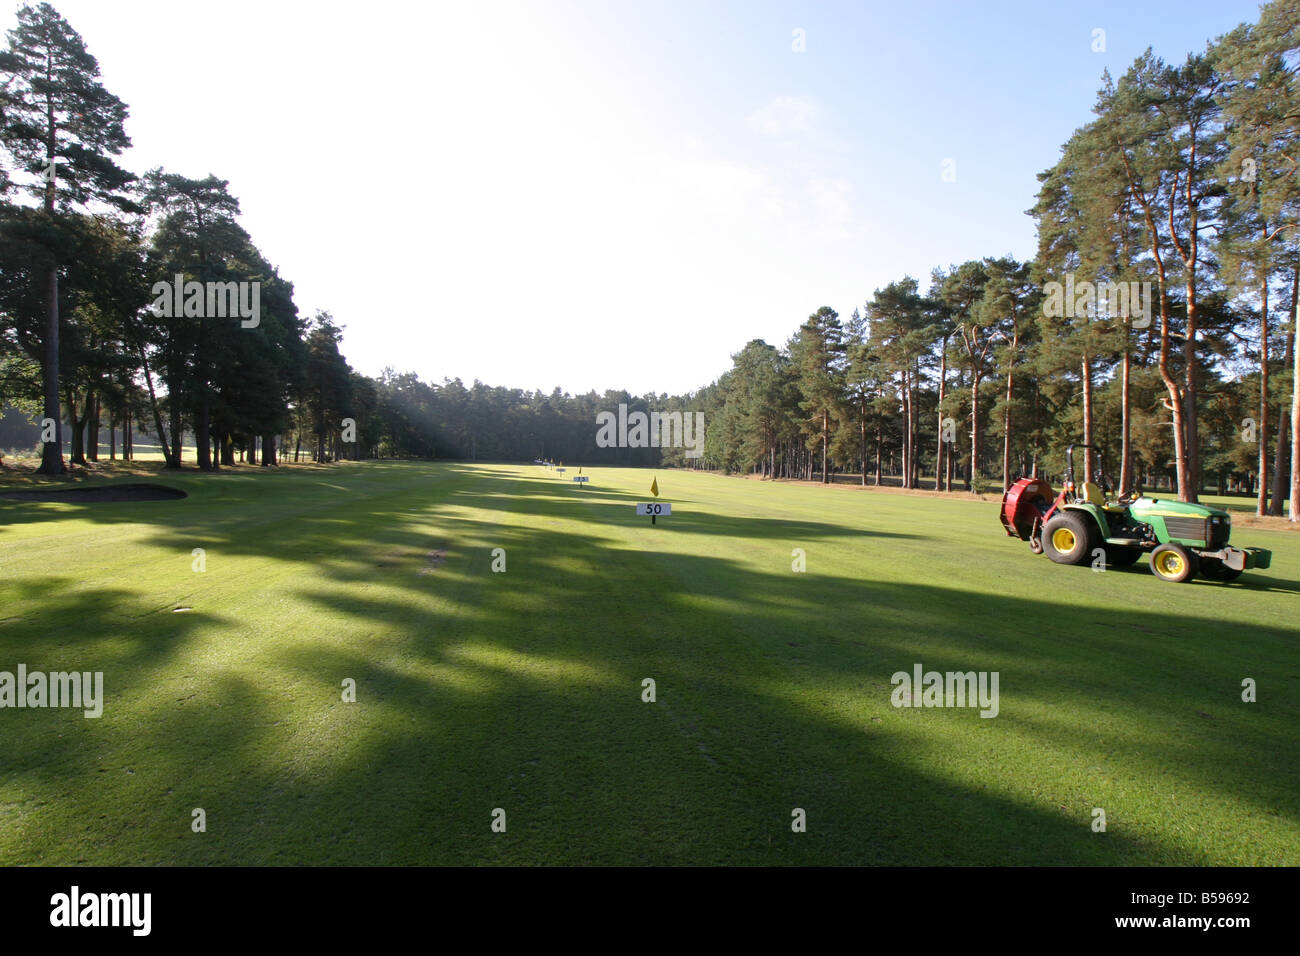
654	487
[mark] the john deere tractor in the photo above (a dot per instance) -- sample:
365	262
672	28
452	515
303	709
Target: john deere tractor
1183	539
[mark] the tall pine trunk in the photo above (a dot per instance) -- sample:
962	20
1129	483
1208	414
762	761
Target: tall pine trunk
1190	372
862	435
1086	374
1174	398
171	453
92	427
52	451
914	458
1006	417
905	472
1281	458
78	442
941	451
880	451
1125	419
203	433
1294	511
174	423
176	429
1283	420
826	432
1261	502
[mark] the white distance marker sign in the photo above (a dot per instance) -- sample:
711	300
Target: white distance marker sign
653	508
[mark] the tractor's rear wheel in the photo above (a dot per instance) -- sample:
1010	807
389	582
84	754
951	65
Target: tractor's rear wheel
1122	556
1215	570
1174	563
1069	538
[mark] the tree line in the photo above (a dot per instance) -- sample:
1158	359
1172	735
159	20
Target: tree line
1155	321
90	342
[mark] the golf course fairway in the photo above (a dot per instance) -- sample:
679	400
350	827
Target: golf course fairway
514	684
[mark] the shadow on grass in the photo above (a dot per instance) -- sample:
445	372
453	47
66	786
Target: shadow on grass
524	691
1252	580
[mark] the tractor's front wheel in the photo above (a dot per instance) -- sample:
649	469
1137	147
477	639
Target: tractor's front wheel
1068	538
1174	563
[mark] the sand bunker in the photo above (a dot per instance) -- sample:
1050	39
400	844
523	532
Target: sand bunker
135	492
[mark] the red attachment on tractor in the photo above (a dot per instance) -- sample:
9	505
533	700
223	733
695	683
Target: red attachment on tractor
1027	501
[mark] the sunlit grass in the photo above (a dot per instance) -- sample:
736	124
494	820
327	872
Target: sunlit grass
523	690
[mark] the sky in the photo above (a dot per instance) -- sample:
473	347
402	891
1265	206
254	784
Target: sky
615	195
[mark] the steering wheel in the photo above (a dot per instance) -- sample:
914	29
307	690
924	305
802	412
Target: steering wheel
1132	496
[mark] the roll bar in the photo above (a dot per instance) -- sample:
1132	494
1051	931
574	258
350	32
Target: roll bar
1069	460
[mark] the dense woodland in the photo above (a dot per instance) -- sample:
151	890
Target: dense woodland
1184	183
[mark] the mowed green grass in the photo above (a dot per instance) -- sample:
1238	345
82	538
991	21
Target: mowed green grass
522	690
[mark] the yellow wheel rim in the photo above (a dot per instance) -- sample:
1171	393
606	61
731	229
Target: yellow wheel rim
1169	563
1063	540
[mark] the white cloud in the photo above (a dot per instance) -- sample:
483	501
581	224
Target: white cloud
785	115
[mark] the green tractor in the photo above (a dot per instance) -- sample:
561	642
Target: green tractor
1183	539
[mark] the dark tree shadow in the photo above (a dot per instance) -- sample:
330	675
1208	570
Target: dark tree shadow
522	690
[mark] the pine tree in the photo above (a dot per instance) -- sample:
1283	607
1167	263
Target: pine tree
817	352
62	127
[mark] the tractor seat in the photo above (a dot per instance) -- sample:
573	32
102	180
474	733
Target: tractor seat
1095	496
